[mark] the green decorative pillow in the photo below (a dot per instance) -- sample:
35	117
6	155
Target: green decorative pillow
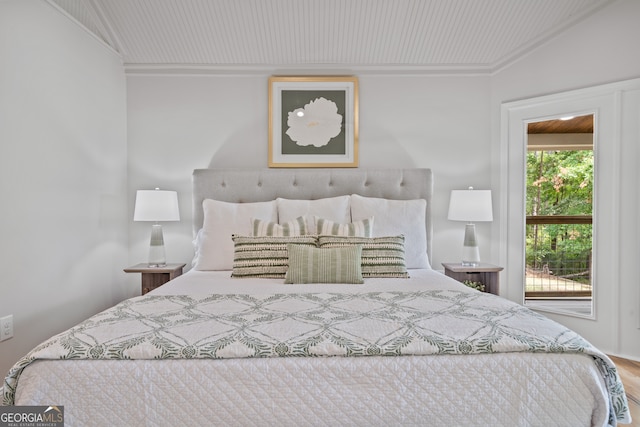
314	265
264	256
295	227
381	256
363	228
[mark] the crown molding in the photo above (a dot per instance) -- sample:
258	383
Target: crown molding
79	24
310	69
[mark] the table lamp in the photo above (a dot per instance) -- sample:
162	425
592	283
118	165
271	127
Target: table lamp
470	206
156	205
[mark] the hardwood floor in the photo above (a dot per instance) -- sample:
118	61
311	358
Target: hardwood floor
629	371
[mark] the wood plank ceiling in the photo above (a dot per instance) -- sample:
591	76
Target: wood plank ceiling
581	124
442	35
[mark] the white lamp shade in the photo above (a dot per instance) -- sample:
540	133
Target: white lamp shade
470	205
156	205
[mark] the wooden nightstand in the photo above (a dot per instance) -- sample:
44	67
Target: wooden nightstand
154	277
488	274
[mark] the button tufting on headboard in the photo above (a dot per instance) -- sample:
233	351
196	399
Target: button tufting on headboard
244	186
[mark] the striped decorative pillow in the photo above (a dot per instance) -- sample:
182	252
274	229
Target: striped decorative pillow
264	256
381	256
314	265
296	227
363	228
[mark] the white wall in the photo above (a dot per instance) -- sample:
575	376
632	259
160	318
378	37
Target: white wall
600	50
179	123
62	175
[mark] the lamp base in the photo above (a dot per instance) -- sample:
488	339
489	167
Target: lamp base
470	250
157	256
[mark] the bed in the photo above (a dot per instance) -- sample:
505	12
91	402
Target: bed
383	340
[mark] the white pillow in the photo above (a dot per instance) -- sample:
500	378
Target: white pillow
221	220
395	217
335	209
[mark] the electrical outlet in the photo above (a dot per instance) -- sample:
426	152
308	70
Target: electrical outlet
6	327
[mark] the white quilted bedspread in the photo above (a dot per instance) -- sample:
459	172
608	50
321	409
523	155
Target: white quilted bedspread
282	347
481	390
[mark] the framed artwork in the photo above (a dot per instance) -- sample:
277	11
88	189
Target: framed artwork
313	122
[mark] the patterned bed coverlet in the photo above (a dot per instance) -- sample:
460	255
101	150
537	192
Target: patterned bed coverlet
317	325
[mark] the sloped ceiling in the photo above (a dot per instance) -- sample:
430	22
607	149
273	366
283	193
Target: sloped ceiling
442	35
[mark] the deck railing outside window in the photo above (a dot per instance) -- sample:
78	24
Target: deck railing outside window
559	250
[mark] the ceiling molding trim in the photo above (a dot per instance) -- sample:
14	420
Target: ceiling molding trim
312	69
535	44
98	13
83	28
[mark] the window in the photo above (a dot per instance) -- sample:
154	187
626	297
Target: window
559	221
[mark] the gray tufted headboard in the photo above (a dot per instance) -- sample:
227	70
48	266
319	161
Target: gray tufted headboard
243	186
